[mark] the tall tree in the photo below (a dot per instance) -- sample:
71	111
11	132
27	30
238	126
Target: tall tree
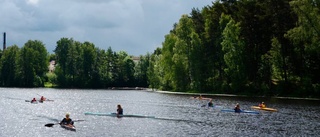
89	56
33	64
110	64
141	69
305	38
166	61
61	52
155	72
9	66
234	48
62	56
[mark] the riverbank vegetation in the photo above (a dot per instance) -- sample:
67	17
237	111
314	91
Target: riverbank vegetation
78	65
252	47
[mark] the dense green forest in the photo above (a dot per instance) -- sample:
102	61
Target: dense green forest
252	47
78	65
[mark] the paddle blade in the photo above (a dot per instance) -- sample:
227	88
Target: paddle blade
49	125
79	120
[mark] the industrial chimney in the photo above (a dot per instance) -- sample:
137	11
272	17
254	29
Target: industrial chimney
4	40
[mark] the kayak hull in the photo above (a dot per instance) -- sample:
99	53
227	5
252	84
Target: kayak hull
40	100
214	106
34	102
68	127
115	115
266	109
242	111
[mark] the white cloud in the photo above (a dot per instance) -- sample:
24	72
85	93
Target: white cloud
134	26
32	2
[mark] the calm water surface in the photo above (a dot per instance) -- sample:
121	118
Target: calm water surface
176	115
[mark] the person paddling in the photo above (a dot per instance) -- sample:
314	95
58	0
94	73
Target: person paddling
33	100
67	120
199	97
237	108
119	110
262	105
42	98
210	104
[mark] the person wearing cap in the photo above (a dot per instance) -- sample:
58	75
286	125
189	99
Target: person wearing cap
67	120
237	108
262	105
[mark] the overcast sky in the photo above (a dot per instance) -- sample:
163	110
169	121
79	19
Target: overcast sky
134	26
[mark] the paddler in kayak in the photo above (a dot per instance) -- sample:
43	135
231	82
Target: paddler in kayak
33	100
119	110
237	108
262	105
67	120
200	97
210	103
42	98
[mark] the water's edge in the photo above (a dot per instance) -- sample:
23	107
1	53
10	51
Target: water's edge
229	95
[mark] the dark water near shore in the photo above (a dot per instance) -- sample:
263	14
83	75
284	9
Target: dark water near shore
176	115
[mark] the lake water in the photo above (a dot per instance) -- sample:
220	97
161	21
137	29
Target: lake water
176	115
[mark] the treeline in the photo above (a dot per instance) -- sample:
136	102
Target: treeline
78	65
255	47
24	67
82	65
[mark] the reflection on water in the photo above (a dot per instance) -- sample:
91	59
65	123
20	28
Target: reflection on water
176	115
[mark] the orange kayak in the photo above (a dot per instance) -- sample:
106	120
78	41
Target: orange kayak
266	109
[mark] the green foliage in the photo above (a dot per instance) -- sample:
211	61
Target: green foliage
234	55
155	73
52	78
141	69
32	64
250	47
9	66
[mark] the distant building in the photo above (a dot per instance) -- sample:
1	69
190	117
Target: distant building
136	59
52	65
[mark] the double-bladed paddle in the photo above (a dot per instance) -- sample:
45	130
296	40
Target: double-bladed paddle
51	124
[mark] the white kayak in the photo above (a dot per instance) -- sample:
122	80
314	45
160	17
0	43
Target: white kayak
115	115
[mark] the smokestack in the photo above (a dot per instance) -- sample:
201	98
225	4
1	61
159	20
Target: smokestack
4	40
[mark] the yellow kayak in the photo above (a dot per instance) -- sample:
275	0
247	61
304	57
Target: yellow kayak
266	109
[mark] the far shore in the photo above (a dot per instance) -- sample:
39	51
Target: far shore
227	95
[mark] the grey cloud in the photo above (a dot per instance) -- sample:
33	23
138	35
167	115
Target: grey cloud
135	26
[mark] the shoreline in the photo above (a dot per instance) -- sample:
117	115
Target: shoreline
186	93
230	95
